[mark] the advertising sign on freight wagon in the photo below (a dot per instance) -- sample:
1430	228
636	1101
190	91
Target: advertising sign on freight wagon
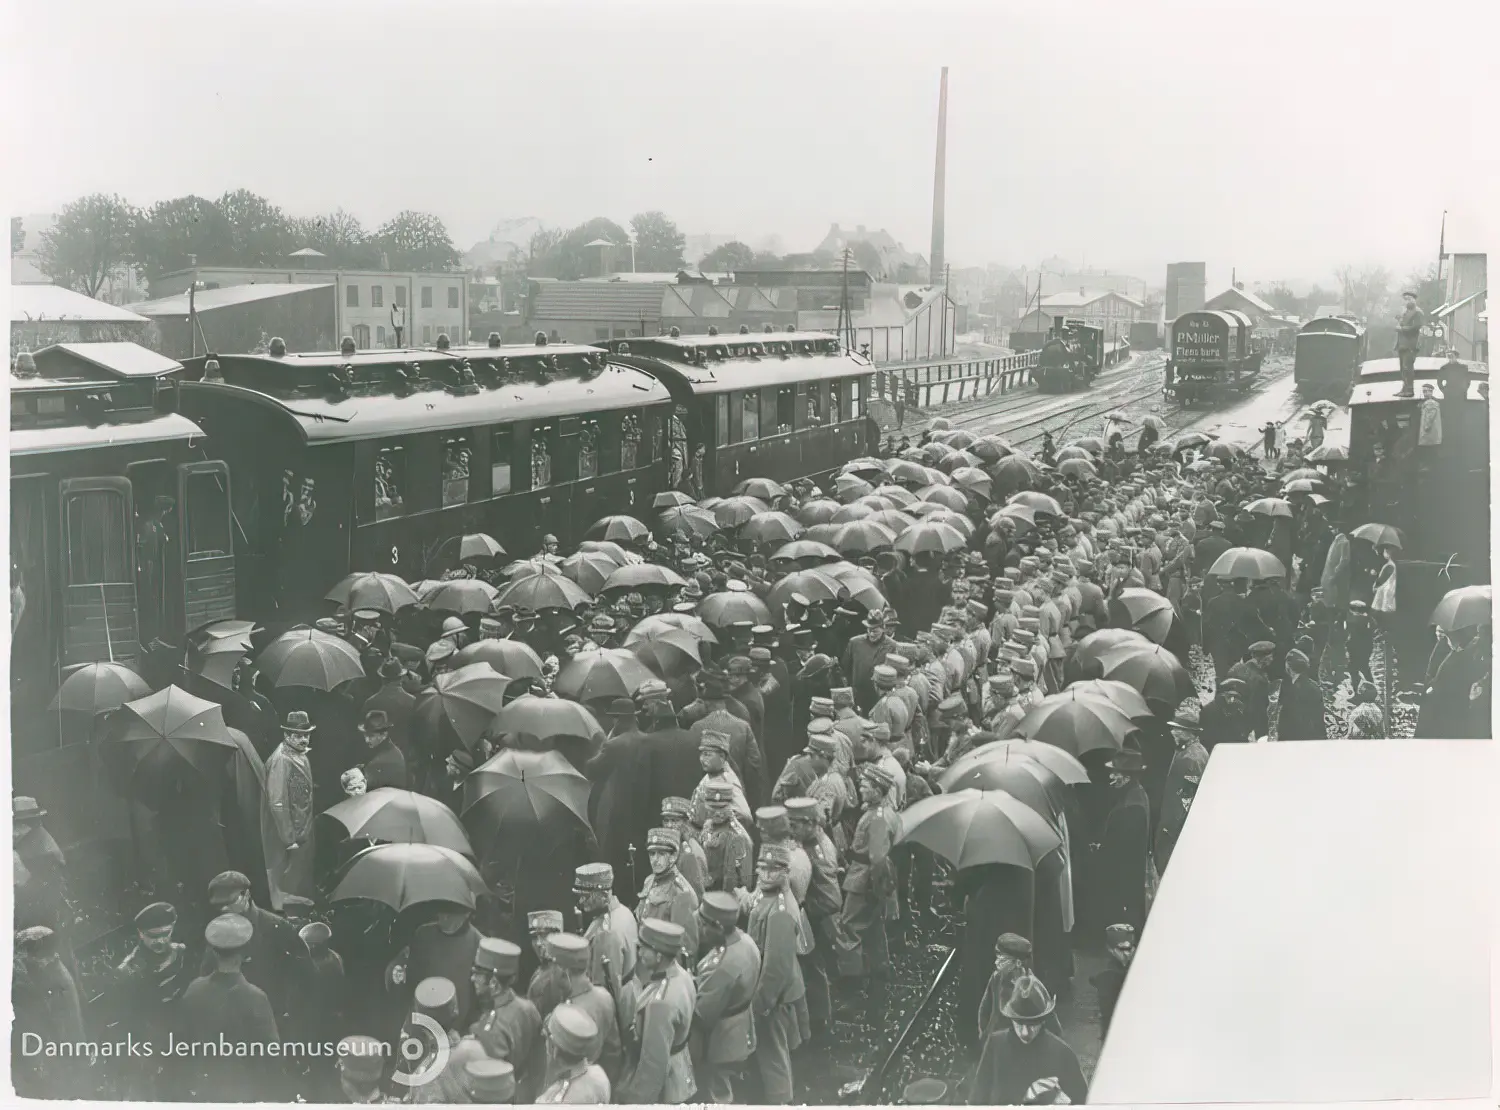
1199	338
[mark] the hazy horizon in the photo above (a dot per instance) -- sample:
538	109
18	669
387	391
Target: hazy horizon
1279	140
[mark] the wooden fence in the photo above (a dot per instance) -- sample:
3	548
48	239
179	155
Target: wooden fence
926	384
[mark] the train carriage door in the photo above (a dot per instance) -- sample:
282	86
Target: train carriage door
100	622
33	579
207	547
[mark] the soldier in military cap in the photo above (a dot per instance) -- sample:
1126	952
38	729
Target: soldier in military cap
275	958
148	983
823	902
714	712
487	1081
781	1019
830	789
361	1062
573	1043
890	708
510	1026
869	883
692	861
548	986
224	1005
725	976
1255	673
570	953
726	845
611	929
666	894
660	1002
435	998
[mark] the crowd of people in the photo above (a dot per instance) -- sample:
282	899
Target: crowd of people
744	868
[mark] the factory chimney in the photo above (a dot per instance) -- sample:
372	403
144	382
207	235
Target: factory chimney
938	184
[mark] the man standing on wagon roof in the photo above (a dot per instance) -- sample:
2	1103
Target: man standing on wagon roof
1408	341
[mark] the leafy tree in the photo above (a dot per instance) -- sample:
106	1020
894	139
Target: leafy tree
1281	298
258	231
728	257
658	243
172	232
416	241
568	257
340	236
17	235
1430	289
1367	291
89	244
544	241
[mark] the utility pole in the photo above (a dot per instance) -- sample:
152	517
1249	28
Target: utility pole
1442	254
846	314
947	279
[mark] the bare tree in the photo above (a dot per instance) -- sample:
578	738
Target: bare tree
89	244
1367	290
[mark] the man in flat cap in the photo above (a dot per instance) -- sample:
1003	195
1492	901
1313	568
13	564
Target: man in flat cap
570	953
287	824
660	1002
725	975
666	894
573	1041
1119	942
275	959
1125	876
611	930
1409	340
148	983
1255	673
224	1005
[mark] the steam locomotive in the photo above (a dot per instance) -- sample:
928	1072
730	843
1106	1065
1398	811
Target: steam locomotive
1071	357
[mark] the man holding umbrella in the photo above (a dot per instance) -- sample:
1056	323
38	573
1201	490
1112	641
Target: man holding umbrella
288	823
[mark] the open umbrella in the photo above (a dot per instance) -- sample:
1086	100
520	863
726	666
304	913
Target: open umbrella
855	510
1073	451
171	721
1247	562
669	652
373	590
898	494
1300	485
876	502
514	659
1270	506
1145	611
548	590
1123	697
734	511
818	511
671	499
957	521
723	609
610	548
521	798
817	585
216	659
933	536
805	549
865	465
401	817
973	827
991	448
761	488
937	451
1037	502
822	533
467	699
907	471
1222	451
462	595
894	519
859	536
1191	439
405	875
1328	452
950	496
1064	765
590	569
1381	535
1307	472
1025	514
606	673
98	688
768	528
1465	607
1023	778
850	574
1096	644
307	657
1089	443
1150	669
619	528
1076	724
536	720
1077	468
525	568
473	547
849	487
639	576
688	520
686	622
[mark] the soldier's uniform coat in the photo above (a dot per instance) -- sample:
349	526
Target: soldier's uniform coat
723	1025
661	1013
671	899
612	937
589	1087
780	1005
729	851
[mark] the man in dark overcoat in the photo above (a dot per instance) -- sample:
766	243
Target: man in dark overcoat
1124	875
1301	715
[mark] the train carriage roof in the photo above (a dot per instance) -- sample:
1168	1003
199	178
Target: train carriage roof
1198	315
1379	379
821	358
1330	324
378	404
167	428
65	365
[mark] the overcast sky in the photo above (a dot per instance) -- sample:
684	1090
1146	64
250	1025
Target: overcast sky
1278	137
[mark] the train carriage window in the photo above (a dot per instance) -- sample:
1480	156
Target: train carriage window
588	449
631	441
721	420
207	517
786	409
814	404
749	416
836	411
457	457
768	411
543	450
857	398
390	482
502	451
98	537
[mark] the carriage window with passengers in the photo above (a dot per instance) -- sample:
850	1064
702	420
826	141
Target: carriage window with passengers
749	415
207	517
786	404
588	449
456	458
835	402
630	441
541	455
814	404
390	482
502	444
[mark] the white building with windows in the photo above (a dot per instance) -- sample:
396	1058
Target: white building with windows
1101	308
370	304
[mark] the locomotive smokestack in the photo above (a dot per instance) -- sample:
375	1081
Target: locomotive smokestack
939	183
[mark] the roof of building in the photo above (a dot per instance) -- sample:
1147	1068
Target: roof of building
599	300
1244	294
1085	297
206	300
1449	309
53	302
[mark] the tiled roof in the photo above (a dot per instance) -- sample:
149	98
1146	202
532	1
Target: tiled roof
1259	304
1085	298
53	302
209	299
599	300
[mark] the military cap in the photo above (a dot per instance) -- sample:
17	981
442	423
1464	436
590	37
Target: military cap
1118	934
718	792
772	822
1013	945
328	625
1296	661
573	1031
226	886
1011	574
884	675
843	697
664	839
720	907
1232	686
775	855
568	951
711	741
436	997
315	934
440	650
666	937
877	775
676	807
978	609
1004	597
822	744
1002	681
1216	524
802	807
229	932
489	625
1262	647
361	1057
1024	667
760	655
953	706
900	663
820	706
593	876
157	917
498	955
1127	760
487	1080
878	731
